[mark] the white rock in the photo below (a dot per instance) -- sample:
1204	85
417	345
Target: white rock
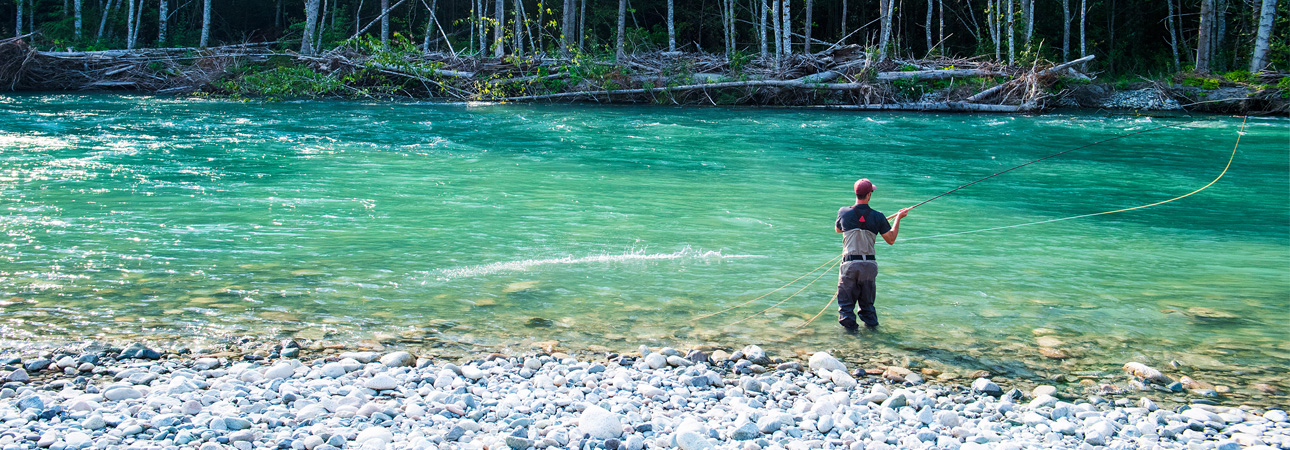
398	359
119	393
472	372
279	370
77	439
206	363
949	419
333	370
823	360
600	423
689	440
362	357
1142	371
843	380
381	434
655	360
1276	415
19	375
381	382
678	361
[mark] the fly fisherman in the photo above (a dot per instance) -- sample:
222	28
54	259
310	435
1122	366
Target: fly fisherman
860	226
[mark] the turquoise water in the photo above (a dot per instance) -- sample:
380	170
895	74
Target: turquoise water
616	226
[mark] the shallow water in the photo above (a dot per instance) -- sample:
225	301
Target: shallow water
616	226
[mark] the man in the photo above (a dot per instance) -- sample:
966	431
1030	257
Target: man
860	226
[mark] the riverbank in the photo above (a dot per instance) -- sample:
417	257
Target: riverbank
847	77
317	396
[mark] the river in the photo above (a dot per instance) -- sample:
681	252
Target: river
492	226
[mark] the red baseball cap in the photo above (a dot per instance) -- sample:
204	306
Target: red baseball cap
863	187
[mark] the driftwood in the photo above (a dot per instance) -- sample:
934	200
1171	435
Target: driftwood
783	84
1043	73
930	107
936	74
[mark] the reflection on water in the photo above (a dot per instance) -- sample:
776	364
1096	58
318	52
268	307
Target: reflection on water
613	227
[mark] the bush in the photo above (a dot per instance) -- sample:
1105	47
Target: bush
1237	76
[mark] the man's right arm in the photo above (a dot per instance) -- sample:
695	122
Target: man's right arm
890	236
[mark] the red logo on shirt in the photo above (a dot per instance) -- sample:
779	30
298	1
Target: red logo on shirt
861	219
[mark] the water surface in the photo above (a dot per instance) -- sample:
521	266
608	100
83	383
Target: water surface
617	226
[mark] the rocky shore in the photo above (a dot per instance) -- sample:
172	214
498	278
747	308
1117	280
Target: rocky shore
100	397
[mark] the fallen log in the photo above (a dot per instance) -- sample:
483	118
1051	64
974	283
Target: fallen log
928	106
1049	71
789	84
935	74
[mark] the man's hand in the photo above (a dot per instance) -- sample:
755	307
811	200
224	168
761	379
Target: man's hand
902	213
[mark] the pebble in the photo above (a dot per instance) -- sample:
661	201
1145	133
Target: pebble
381	382
399	359
19	376
600	423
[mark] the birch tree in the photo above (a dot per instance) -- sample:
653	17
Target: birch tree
104	18
1012	33
775	32
1173	35
1066	30
499	19
206	23
311	21
622	30
885	7
566	28
788	29
77	5
129	25
163	18
518	14
671	27
18	25
1203	42
928	26
1263	38
765	52
806	46
1083	14
385	24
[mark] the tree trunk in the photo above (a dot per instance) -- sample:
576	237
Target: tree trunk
761	18
1216	60
940	28
884	35
788	29
206	23
129	25
1029	6
103	19
385	24
1173	35
277	14
519	28
671	26
844	23
622	30
499	26
1083	14
806	46
18	24
996	30
928	25
775	17
734	42
1066	29
1012	33
163	19
77	4
1261	41
425	42
566	28
311	21
322	21
1203	48
582	24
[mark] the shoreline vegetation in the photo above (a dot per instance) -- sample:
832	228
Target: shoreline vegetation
305	395
843	78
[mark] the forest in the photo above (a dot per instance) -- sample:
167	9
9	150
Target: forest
1129	40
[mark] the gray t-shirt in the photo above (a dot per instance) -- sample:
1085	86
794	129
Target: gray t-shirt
860	226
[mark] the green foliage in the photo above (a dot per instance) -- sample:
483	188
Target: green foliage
282	83
739	61
1237	76
1202	82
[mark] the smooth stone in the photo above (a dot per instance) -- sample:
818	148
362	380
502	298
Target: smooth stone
689	440
362	357
77	439
236	423
825	361
241	436
94	422
399	359
122	393
949	419
472	372
206	363
756	355
745	432
381	434
678	361
311	441
31	402
600	423
333	370
985	386
768	424
655	360
19	376
279	370
1276	415
1041	391
381	382
519	443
